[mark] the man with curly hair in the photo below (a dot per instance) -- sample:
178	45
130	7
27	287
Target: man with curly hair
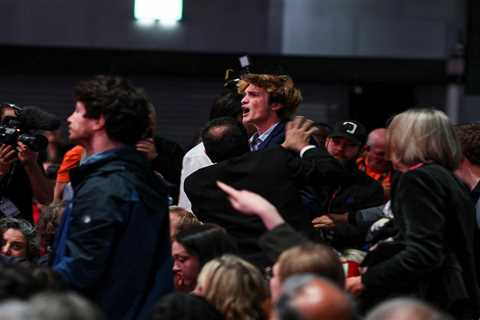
469	168
113	245
269	102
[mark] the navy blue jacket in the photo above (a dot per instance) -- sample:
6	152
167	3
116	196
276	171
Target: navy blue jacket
114	244
275	138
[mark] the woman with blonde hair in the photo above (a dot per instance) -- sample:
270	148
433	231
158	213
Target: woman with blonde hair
433	255
235	287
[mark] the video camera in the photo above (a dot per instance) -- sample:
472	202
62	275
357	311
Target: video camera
232	77
23	125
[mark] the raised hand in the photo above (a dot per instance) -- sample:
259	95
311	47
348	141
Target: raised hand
147	146
298	133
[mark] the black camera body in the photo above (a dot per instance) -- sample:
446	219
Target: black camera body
12	131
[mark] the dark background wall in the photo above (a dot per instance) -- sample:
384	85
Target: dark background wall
365	59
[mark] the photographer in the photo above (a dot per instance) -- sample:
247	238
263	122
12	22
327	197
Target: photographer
21	176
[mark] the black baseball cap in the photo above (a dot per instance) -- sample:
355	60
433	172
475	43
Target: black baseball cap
352	130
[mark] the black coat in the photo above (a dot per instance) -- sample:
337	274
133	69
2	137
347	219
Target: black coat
274	173
435	259
114	245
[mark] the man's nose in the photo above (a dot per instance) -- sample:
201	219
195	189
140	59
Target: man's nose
6	250
176	267
244	100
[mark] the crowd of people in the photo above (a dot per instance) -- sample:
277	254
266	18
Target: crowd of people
270	216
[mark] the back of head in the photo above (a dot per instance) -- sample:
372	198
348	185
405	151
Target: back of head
179	218
59	306
228	104
307	297
423	136
184	306
124	107
14	310
405	309
469	137
314	259
224	138
17	282
235	287
280	88
205	241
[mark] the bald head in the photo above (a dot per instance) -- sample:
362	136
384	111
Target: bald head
405	309
376	150
377	137
315	298
321	299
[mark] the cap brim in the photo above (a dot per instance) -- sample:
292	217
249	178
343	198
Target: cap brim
346	136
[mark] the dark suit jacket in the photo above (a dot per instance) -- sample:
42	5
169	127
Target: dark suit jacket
275	138
276	174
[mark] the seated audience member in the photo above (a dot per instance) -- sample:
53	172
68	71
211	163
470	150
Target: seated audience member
180	217
433	256
235	287
226	105
316	259
60	306
19	239
373	161
48	223
278	174
184	306
194	246
405	309
307	297
469	169
345	143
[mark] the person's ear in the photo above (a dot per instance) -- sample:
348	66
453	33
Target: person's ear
276	106
99	123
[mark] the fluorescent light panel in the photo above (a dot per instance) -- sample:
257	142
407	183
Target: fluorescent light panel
168	11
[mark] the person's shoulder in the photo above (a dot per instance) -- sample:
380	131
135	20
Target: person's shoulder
428	171
196	151
166	144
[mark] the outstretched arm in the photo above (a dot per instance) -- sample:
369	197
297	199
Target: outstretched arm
280	235
250	203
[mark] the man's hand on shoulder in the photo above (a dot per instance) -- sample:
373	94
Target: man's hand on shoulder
298	133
